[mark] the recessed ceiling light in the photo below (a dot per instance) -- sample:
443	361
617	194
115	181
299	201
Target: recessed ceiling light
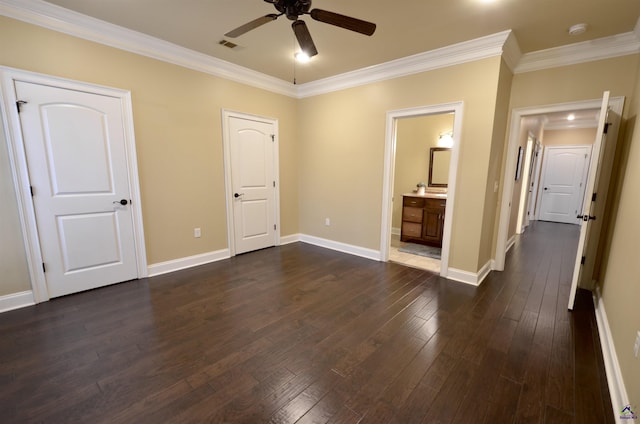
571	117
578	29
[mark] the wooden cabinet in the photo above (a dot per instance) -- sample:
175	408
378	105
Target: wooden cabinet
422	220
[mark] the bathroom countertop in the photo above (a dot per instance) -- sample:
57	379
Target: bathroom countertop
428	195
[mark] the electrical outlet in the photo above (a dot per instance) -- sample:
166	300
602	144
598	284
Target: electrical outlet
197	233
636	347
327	222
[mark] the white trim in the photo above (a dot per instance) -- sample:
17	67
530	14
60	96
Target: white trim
188	262
472	278
503	44
226	140
76	24
511	242
21	177
389	171
456	54
341	247
617	390
18	300
586	51
510	164
292	238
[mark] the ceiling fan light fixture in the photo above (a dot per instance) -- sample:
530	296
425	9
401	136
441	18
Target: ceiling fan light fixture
302	57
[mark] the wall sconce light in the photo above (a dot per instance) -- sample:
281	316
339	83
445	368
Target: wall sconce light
445	140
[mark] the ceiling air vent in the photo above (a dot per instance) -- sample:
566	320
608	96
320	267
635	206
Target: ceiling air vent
227	44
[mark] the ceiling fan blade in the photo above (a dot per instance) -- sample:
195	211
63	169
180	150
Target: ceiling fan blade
304	38
251	25
342	21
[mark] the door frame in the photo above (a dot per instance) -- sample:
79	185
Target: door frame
585	173
228	187
616	103
389	172
535	186
20	174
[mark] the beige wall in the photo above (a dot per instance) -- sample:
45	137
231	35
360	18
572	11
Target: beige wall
495	162
177	119
620	287
569	137
13	262
415	137
585	81
342	154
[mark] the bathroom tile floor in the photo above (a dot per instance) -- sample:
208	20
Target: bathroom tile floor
415	261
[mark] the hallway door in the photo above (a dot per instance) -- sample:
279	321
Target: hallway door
563	178
588	215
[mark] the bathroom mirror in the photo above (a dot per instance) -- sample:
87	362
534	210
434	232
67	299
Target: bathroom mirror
439	159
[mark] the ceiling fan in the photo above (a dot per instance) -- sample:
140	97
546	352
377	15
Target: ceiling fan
293	9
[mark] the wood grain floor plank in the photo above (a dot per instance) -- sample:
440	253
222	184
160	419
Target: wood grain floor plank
303	334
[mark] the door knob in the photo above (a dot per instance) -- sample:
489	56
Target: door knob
122	202
236	195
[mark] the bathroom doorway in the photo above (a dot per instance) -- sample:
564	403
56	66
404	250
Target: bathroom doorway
420	170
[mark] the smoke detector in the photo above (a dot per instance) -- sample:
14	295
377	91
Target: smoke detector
578	29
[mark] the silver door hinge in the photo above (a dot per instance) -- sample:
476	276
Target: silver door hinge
31	190
44	269
274	226
582	260
274	184
273	137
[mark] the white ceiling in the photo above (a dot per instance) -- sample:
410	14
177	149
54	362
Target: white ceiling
405	27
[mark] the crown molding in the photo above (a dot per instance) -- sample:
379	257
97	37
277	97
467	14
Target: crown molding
56	18
59	19
467	51
587	51
511	52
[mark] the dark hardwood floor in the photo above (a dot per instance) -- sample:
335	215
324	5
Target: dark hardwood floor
307	335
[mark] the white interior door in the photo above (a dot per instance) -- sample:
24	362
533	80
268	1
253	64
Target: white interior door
251	148
563	187
589	202
75	148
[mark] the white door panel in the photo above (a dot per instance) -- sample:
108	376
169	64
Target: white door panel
76	154
253	183
588	203
563	186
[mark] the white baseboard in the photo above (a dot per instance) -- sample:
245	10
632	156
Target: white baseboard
510	243
18	300
617	390
342	247
472	278
188	262
395	231
292	238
